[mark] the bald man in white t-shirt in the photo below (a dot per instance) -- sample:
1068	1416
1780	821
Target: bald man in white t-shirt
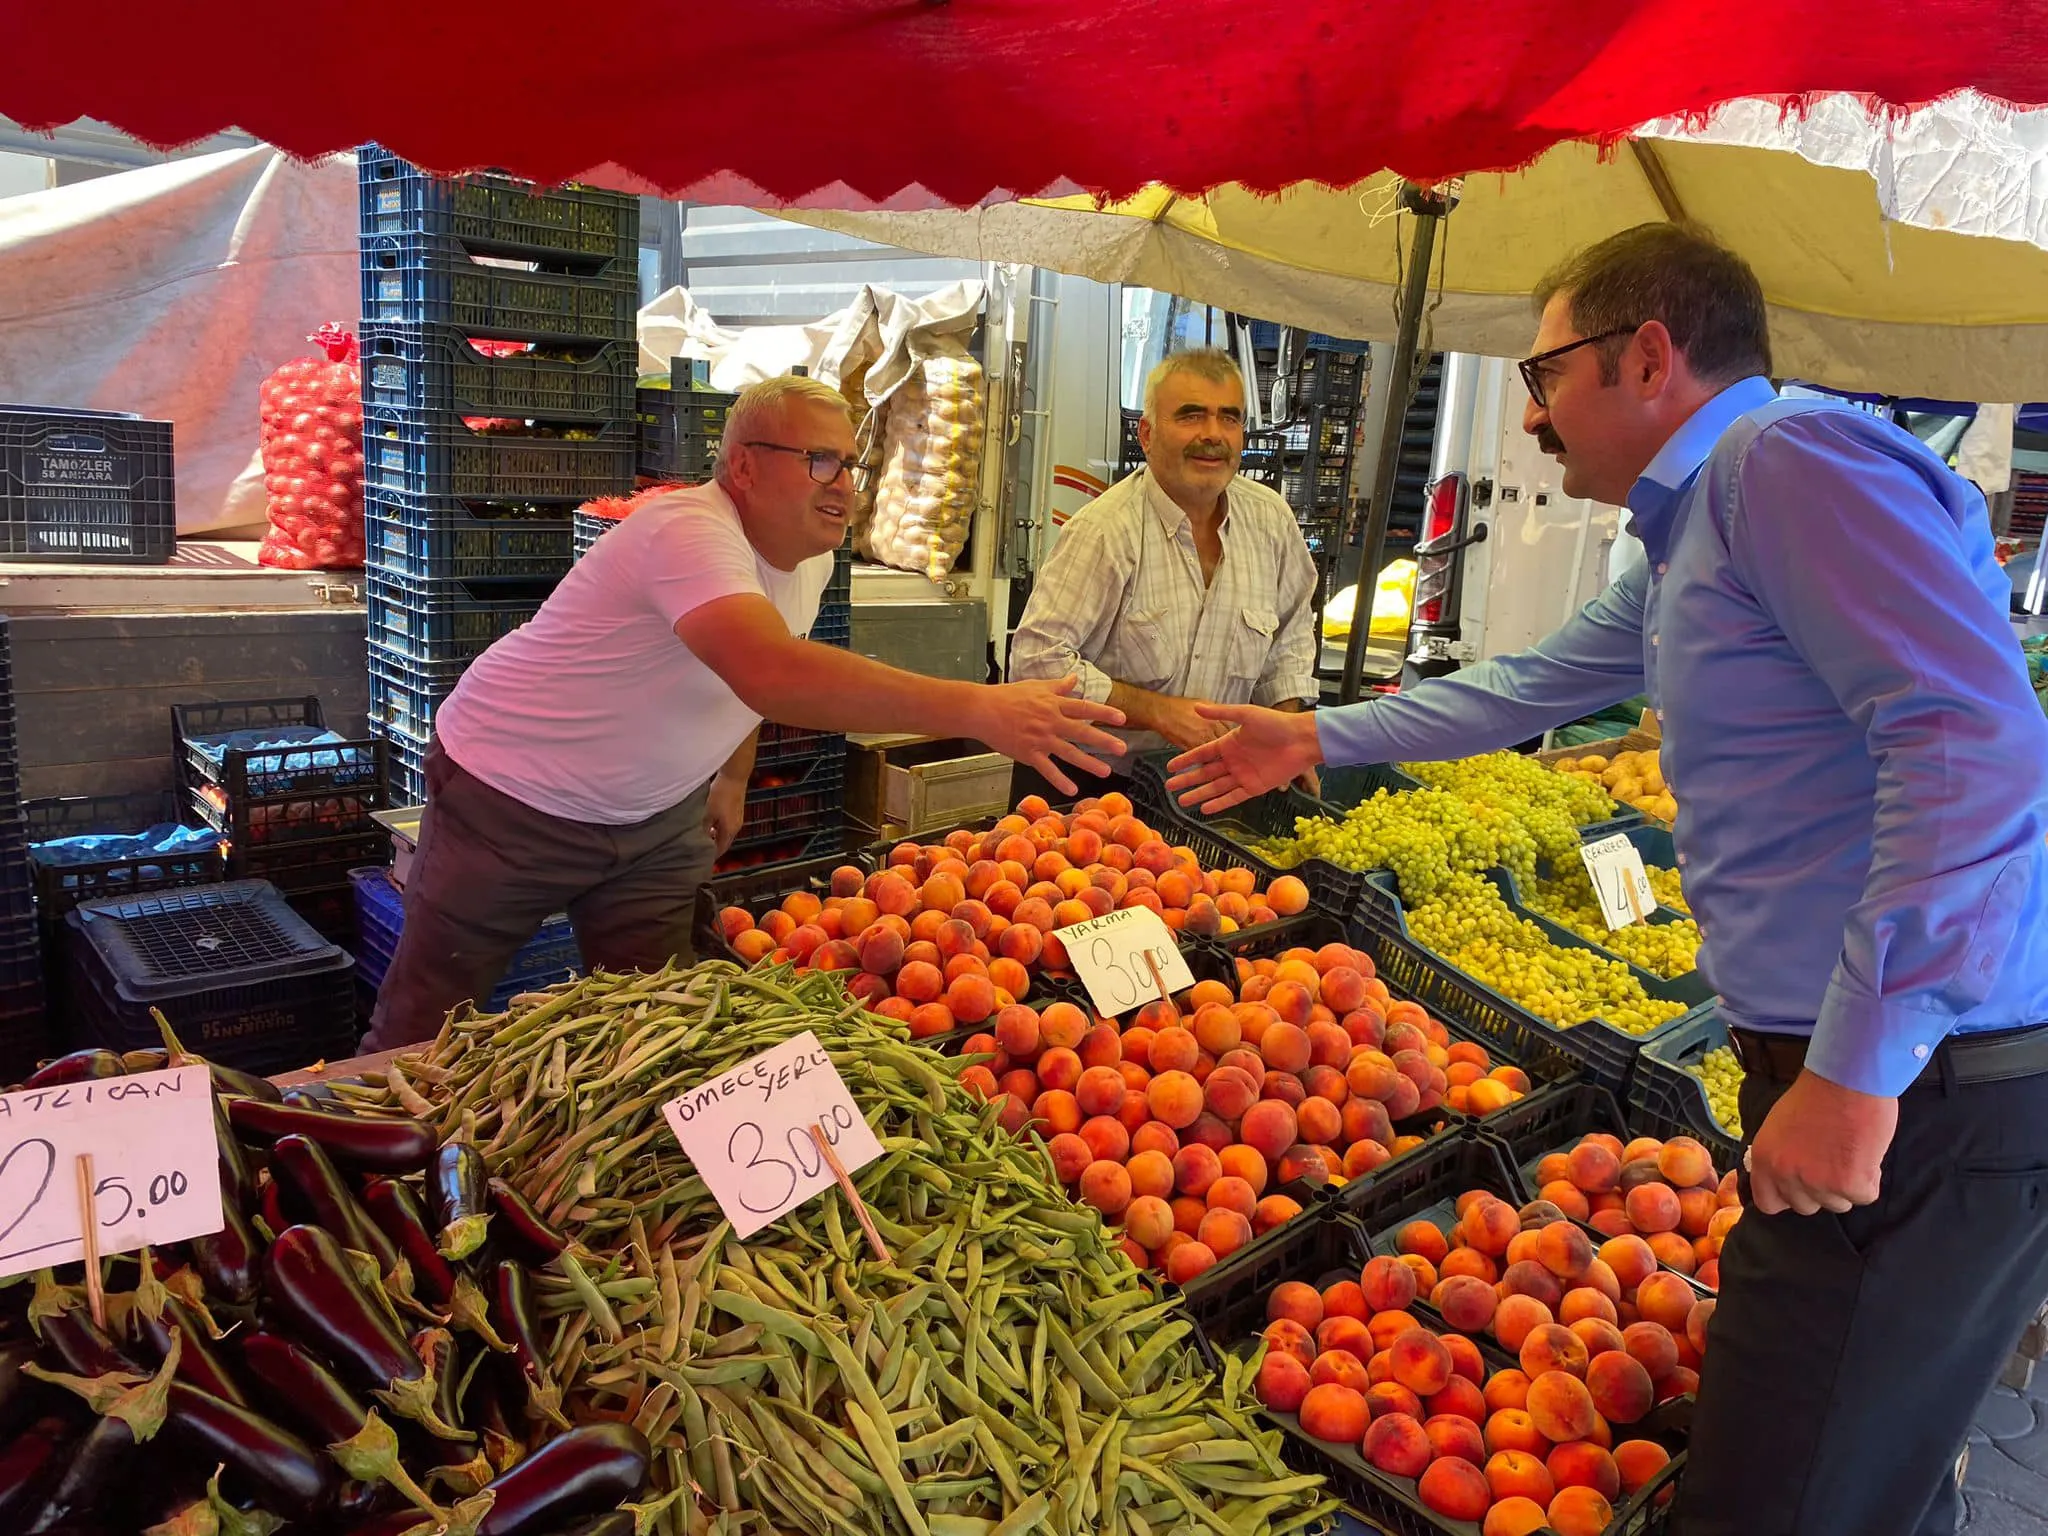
596	759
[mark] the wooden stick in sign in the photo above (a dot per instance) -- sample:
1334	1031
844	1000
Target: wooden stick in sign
89	1222
853	1198
1158	980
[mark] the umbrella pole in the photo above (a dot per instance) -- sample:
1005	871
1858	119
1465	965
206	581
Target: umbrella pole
1429	205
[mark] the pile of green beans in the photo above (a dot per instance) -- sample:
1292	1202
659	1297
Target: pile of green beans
1009	1372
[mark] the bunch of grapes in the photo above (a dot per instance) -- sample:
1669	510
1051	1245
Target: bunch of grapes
1422	836
1567	899
1552	805
1721	1073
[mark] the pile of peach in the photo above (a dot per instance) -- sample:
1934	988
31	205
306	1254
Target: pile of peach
1665	1192
950	933
1177	1125
1517	1448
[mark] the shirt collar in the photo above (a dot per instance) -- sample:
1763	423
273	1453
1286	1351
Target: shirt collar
1654	495
1169	512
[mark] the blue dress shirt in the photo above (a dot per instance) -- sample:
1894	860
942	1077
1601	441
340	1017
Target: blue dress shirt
1860	764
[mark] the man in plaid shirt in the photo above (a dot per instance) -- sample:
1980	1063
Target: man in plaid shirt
1181	584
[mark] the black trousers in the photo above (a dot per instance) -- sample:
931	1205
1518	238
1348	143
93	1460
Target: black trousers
1849	1353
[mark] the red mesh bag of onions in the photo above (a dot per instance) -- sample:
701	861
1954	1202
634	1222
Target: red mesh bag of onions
313	458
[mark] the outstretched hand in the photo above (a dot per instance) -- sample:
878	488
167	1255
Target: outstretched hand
1263	750
1036	722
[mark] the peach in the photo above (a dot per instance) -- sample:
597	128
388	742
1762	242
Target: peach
1564	1250
1328	1045
1466	1359
1388	1285
1059	1068
1335	1413
1598	1277
1425	1238
1569	1199
1583	1303
1652	1346
1242	1162
1188	1212
1308	1163
1592	1167
1579	1512
1396	1443
1653	1208
1528	1278
1195	1168
1319	1122
1490	1225
1287	896
919	981
1421	1362
1696	1322
1637	1462
1286	1336
1425	1272
1581	1464
1389	1326
1285	1045
1189	1260
1297	1300
1553	1347
1512	1429
1175	1098
1106	1138
1216	1029
1270	1127
1173	1049
1630	1258
1621	1389
1599	1336
1515	1516
1612	1222
1519	1474
1230	1193
1345	1298
1070	1157
1682	1382
1673	1252
1709	1274
1272	1211
1148	1219
1389	1396
979	1081
1100	1091
1466	1302
1516	1317
1136	1113
1453	1487
1470	1261
755	945
1685	1164
1341	1367
1507	1389
1363	1155
1285	1087
1249	1062
1460	1397
1666	1298
1207	1131
1106	1186
1560	1406
1063	1025
1371	1074
1283	1382
1696	1211
1101	1047
1349	1334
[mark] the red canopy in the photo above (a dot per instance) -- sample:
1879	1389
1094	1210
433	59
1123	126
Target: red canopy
975	96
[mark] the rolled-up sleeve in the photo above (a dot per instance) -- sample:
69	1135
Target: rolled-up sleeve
1290	670
1593	661
1871	579
1073	606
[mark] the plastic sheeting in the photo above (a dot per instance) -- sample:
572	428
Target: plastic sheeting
172	292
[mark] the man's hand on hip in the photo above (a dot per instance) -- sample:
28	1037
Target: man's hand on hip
1821	1148
726	810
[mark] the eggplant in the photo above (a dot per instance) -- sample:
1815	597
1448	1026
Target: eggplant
437	1351
591	1470
275	1216
97	1470
79	1067
237	1177
522	1229
517	1322
83	1347
304	1165
285	1475
233	1083
154	1059
19	1392
198	1362
457	1185
357	1142
307	1098
396	1210
226	1260
301	1391
30	1463
618	1523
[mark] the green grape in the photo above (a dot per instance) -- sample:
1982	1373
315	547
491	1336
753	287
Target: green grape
1722	1074
1662	949
1668	889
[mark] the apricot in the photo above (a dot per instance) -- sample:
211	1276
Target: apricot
1513	1429
1396	1443
1665	1298
1452	1486
1466	1302
1553	1347
1507	1389
1270	1127
1653	1208
1637	1463
1560	1406
1630	1259
1388	1285
1389	1396
1579	1512
1621	1388
1421	1362
1175	1099
1581	1464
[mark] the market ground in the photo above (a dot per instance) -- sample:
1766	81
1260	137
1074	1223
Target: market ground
2006	1490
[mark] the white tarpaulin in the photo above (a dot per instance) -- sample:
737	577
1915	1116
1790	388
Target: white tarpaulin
172	292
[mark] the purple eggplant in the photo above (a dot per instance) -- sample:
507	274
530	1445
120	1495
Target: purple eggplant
30	1463
357	1142
300	1391
396	1211
589	1471
522	1230
97	1470
457	1185
198	1361
237	1177
513	1303
79	1067
233	1083
304	1166
226	1260
82	1346
282	1472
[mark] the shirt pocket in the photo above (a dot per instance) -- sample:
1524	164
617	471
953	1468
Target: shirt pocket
1251	642
1145	647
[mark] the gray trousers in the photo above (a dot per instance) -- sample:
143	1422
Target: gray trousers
489	870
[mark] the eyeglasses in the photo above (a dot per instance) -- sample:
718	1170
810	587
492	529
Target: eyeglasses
825	465
1532	367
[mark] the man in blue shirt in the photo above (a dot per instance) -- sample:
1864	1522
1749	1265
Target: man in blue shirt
1862	780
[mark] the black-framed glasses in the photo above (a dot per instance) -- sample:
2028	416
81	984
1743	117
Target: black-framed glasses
1532	367
825	465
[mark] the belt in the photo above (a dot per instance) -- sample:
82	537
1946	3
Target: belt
1990	1057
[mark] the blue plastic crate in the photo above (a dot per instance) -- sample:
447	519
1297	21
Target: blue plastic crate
408	766
419	279
439	456
437	621
679	431
86	487
551	955
437	538
488	212
436	370
402	700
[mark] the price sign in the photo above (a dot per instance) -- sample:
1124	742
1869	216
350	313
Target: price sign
156	1169
1619	881
1110	956
749	1131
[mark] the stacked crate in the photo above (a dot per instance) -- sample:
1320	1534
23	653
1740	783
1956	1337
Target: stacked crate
294	802
23	1019
499	362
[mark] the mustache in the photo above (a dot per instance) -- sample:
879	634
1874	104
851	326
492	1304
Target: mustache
1209	451
1549	441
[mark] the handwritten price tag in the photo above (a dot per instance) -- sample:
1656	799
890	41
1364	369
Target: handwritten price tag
156	1167
1619	881
749	1131
1109	955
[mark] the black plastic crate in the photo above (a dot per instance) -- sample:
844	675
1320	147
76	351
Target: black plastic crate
441	621
679	432
323	864
1603	1053
297	764
1666	1100
301	818
431	280
1343	788
752	853
794	743
426	538
330	911
489	212
439	456
60	886
833	626
1330	379
1552	1119
240	976
87	487
1224	842
436	371
25	1036
817	803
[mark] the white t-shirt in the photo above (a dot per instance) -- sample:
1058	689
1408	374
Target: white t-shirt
594	710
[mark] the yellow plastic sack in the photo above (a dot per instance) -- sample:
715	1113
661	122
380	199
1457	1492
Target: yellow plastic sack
1393	600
